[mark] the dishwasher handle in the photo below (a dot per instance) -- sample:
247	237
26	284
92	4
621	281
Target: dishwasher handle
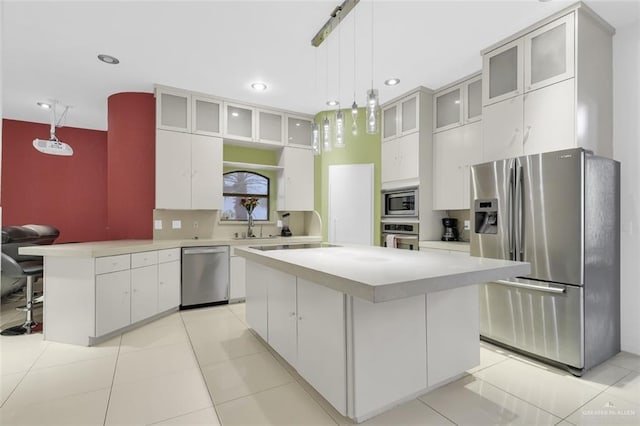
205	250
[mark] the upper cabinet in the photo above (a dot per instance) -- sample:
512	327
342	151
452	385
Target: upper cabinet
458	104
206	116
299	131
173	110
542	57
548	87
270	126
239	122
401	118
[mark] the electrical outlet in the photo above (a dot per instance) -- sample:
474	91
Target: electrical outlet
467	225
195	224
157	225
176	224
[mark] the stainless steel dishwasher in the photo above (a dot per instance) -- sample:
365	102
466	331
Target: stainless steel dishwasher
205	276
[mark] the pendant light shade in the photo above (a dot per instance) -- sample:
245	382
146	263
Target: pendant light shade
315	138
372	111
339	129
326	135
354	118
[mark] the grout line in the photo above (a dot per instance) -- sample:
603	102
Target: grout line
113	378
442	414
252	394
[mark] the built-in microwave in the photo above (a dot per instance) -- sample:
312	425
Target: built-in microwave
400	202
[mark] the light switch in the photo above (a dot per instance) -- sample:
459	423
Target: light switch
176	224
157	225
467	225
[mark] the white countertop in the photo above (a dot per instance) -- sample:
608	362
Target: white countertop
112	248
381	274
446	245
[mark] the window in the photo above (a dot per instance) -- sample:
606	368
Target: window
243	184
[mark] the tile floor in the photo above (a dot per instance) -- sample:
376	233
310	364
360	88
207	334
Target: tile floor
204	367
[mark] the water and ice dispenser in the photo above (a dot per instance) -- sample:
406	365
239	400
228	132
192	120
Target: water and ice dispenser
486	216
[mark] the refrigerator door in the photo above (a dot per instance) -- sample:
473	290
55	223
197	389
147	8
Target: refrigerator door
491	211
540	318
550	215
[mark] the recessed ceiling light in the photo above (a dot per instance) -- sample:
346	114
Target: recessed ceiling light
108	59
44	105
332	103
259	87
392	82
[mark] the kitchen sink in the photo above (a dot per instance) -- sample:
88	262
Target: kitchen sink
294	246
270	237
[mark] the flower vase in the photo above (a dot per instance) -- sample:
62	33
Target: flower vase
250	223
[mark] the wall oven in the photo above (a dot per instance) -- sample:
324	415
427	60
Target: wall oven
402	235
400	203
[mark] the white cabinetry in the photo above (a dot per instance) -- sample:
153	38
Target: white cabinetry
237	277
173	110
282	318
457	142
549	87
168	279
257	298
144	292
270	127
239	122
299	131
206	118
400	160
113	301
295	181
401	117
188	171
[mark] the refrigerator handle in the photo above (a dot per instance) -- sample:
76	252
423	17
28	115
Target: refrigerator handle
510	213
518	213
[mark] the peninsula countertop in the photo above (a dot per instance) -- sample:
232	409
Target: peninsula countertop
117	247
378	274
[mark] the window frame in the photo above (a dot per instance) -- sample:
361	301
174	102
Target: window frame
267	196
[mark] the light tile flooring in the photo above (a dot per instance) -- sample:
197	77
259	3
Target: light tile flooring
204	367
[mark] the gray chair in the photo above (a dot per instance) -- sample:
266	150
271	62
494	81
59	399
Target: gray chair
31	270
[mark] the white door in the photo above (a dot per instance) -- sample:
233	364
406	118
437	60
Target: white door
113	301
168	285
502	129
173	170
447	176
351	204
144	292
206	172
281	317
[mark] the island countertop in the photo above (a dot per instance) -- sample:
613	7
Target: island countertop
378	274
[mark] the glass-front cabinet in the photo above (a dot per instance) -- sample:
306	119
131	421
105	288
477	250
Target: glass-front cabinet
549	53
173	110
239	122
401	118
390	122
409	115
448	108
502	72
206	117
270	127
299	131
472	95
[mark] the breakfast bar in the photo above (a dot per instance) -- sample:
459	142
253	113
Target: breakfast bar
369	327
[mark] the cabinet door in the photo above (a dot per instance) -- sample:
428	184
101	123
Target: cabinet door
173	170
299	131
448	108
409	113
549	53
549	118
502	72
270	126
390	122
296	180
256	300
239	122
471	153
113	301
409	158
144	292
447	169
282	321
237	278
502	130
206	174
472	95
321	341
168	285
389	161
173	110
206	116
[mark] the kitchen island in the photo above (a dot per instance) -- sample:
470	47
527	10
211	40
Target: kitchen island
369	327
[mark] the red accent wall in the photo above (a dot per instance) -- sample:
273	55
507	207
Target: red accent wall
131	165
69	193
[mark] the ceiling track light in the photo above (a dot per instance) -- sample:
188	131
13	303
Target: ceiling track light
337	15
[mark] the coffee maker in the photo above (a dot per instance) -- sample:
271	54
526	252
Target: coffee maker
450	229
286	232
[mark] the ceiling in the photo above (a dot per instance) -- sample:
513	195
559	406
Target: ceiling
50	48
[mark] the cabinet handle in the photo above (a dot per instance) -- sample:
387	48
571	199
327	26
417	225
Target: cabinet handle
292	314
300	318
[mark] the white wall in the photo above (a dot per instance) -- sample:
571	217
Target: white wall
626	148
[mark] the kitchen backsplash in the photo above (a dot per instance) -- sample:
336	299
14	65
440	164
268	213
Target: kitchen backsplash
205	224
461	215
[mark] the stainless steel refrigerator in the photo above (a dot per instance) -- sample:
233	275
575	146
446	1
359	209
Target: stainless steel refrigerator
560	211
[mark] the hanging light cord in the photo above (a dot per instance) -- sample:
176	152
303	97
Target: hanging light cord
372	44
354	57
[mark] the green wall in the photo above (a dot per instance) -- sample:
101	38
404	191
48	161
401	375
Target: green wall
361	148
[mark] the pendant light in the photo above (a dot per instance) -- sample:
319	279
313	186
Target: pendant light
339	116
326	134
372	94
354	106
315	138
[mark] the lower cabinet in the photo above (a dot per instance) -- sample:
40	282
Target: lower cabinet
256	298
282	319
144	292
168	285
237	277
113	301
